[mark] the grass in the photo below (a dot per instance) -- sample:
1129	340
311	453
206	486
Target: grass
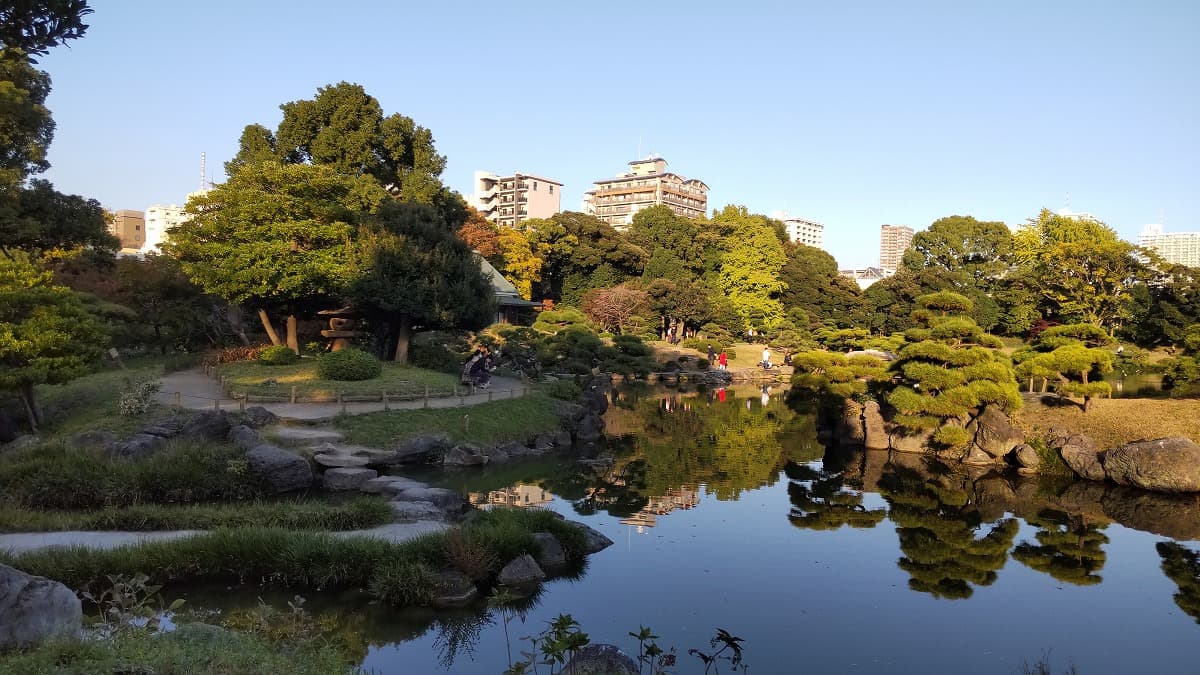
57	476
1112	422
486	423
188	651
399	574
400	382
359	513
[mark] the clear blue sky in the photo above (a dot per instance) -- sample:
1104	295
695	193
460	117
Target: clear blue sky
851	113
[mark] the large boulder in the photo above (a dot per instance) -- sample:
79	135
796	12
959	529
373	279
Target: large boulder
905	441
593	541
340	480
466	454
848	429
994	433
258	417
138	446
340	460
550	552
453	589
209	425
521	571
35	609
243	437
167	427
595	401
590	428
102	440
875	435
976	457
601	659
421	448
281	470
1079	452
1026	456
397	484
1162	465
448	500
409	511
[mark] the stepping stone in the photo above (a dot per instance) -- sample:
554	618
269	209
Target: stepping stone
399	484
417	511
341	461
306	436
346	479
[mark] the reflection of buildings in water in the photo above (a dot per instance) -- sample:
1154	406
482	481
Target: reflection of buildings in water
674	500
517	495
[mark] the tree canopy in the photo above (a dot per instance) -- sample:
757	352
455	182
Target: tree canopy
34	26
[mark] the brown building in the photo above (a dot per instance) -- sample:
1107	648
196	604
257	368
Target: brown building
893	242
129	227
615	200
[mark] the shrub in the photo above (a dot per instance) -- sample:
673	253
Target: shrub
234	354
177	361
278	355
349	365
436	356
630	345
566	390
137	398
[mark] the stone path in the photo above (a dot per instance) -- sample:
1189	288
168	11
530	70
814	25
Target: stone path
194	390
34	541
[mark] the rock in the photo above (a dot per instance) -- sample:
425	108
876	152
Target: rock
137	447
416	511
601	659
590	429
593	541
93	439
875	436
994	433
346	479
453	589
22	442
281	470
595	401
1083	458
496	455
421	448
1056	437
1168	514
8	428
543	442
398	484
570	413
550	552
302	436
977	457
243	437
258	417
466	454
377	484
1161	465
562	439
209	425
167	427
848	430
521	571
340	460
447	500
1026	457
35	609
910	442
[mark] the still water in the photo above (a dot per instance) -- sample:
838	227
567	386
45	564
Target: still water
727	512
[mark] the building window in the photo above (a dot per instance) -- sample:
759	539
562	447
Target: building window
535	186
551	189
137	228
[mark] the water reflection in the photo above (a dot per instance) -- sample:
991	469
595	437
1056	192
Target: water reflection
1068	549
1183	567
821	500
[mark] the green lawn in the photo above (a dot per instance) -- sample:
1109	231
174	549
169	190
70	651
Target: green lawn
486	423
400	382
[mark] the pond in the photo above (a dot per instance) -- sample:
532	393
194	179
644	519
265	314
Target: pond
727	512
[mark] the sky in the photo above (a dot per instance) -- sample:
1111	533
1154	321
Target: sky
853	114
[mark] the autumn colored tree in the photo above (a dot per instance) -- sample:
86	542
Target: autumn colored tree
614	308
483	236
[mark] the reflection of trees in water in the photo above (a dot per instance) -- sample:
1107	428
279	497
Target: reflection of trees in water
1069	548
820	501
1183	567
937	531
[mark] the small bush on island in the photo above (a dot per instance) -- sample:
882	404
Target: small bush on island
565	390
349	365
278	355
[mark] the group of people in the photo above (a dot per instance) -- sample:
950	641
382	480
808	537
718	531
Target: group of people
477	372
722	361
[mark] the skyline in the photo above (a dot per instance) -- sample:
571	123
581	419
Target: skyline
830	114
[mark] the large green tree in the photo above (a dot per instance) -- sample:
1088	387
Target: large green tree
814	285
749	272
672	242
411	271
47	336
581	252
276	237
34	26
42	219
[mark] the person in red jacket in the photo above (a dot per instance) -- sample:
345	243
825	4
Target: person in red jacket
723	360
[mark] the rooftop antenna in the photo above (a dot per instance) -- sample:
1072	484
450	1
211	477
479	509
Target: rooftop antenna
1068	201
203	171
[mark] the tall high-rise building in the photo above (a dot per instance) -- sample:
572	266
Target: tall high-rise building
893	242
159	219
130	227
802	230
508	200
1176	248
615	200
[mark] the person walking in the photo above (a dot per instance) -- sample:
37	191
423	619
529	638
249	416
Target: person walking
766	358
723	360
712	355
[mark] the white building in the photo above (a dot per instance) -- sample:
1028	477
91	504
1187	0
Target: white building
866	276
159	219
801	230
1176	248
508	200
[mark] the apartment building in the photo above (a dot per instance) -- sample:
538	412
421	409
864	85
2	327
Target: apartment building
802	230
616	200
130	227
893	242
508	200
1176	248
159	219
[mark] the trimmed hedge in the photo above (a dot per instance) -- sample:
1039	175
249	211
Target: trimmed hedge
278	355
349	365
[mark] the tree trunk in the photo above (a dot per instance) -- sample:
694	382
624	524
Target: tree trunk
293	340
31	407
233	314
402	339
266	322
